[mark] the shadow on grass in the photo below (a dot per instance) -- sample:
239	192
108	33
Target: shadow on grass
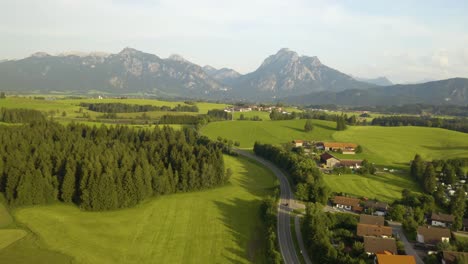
446	148
247	232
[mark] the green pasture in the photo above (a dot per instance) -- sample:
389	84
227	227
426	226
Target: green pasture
271	132
396	146
221	225
383	186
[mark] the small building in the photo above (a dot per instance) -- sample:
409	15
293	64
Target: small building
394	259
373	230
298	143
432	235
345	148
376	207
371	220
442	220
352	164
378	245
347	203
452	257
329	160
465	224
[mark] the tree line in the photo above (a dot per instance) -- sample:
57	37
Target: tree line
310	185
132	108
104	168
457	124
268	213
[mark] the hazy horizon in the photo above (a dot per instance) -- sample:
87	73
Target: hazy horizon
406	42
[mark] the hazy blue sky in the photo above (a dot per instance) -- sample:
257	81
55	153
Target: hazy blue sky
403	41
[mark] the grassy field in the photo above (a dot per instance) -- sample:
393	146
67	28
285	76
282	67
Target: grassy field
9	236
271	132
383	186
73	111
214	226
396	146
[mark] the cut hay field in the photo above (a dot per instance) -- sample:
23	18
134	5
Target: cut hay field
271	132
221	225
383	186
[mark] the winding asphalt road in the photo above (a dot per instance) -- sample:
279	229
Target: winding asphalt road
285	238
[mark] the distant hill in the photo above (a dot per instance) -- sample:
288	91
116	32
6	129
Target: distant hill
380	81
450	91
286	73
130	71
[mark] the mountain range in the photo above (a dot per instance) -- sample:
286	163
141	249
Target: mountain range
284	76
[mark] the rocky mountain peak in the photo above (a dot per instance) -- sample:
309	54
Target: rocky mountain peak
177	57
129	51
40	54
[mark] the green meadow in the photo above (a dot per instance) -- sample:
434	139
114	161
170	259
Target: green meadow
220	225
271	132
383	186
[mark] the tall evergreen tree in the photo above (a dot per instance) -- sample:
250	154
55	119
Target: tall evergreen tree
430	181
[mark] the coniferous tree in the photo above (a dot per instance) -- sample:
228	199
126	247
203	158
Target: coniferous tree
308	126
430	181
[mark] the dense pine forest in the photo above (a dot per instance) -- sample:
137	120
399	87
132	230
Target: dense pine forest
103	168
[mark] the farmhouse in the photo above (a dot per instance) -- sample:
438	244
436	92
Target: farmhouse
329	160
375	245
347	203
298	143
352	164
442	220
452	257
432	235
394	259
345	148
378	208
373	230
371	220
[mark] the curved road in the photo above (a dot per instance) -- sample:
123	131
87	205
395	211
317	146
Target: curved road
285	239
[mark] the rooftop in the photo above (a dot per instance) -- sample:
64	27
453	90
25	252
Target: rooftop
373	230
442	217
379	245
346	201
395	259
371	220
433	235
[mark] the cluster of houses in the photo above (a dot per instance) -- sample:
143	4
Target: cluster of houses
378	240
249	108
378	237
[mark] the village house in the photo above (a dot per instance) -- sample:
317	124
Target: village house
345	148
352	164
442	220
432	235
371	220
378	245
377	208
298	143
394	259
465	224
373	230
329	160
347	203
451	257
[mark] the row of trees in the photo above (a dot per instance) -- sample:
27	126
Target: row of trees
457	124
132	108
310	185
2	95
103	168
268	213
